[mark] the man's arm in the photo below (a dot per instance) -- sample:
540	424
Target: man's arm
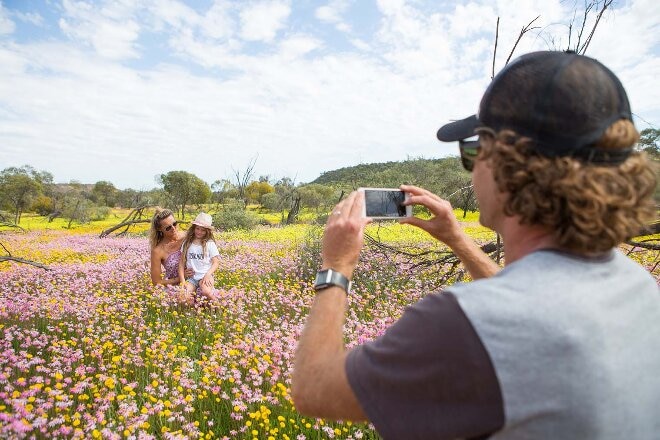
444	227
319	384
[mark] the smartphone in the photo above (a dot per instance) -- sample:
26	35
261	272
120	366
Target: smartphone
385	203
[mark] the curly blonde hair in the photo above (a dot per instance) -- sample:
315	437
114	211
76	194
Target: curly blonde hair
592	208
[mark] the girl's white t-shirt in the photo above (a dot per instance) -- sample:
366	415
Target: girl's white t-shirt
198	261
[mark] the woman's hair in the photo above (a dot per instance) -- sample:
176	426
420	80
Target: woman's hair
155	234
592	208
190	236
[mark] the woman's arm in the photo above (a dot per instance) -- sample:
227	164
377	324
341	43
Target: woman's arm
157	271
156	268
182	268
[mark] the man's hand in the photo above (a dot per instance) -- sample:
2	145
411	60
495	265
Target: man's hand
443	225
344	235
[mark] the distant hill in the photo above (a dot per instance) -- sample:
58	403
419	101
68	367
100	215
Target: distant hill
441	176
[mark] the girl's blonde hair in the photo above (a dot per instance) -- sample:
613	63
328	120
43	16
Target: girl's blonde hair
592	208
155	234
187	241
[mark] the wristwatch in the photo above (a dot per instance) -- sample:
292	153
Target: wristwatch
330	277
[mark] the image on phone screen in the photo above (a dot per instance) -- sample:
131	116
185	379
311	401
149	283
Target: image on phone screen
383	203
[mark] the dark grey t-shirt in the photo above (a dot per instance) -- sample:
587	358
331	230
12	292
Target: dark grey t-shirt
554	346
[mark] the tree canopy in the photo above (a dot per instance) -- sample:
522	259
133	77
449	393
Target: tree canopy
184	188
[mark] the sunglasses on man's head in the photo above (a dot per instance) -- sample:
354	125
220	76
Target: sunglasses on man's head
469	152
173	225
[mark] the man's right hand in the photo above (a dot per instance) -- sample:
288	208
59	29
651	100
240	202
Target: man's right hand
344	235
443	225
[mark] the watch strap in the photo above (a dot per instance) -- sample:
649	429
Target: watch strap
330	277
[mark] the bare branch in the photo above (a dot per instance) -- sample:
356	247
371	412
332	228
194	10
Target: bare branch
23	261
126	224
497	35
587	8
243	179
606	4
133	217
644	245
523	31
11	225
441	265
6	250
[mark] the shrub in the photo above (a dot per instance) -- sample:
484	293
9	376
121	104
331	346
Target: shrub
235	216
99	212
310	253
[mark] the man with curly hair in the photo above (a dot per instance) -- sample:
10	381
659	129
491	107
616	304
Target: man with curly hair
562	342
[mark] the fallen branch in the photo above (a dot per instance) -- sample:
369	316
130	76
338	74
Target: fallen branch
128	224
443	265
23	261
9	257
645	244
11	225
133	217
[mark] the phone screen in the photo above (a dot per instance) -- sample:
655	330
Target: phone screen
379	203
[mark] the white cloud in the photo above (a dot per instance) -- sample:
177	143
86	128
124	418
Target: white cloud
333	13
29	17
171	15
261	21
217	23
110	29
6	25
298	45
94	118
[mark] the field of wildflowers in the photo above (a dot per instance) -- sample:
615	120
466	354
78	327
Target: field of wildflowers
91	349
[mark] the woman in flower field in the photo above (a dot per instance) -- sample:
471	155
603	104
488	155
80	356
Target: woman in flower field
165	242
200	254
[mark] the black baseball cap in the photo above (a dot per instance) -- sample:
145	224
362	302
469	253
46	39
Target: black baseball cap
562	101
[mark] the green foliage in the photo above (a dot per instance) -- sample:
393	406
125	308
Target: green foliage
235	216
104	193
649	141
42	205
76	208
255	190
98	213
315	195
19	186
271	201
310	253
184	188
437	175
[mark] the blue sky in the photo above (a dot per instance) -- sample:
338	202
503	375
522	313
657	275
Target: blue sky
126	90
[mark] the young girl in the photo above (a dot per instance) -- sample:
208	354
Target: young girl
199	253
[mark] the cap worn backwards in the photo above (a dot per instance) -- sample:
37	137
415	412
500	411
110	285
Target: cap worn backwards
562	101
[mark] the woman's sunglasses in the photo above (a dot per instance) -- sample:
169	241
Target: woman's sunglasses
469	152
173	225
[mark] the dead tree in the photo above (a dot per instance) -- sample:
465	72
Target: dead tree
443	265
136	216
243	179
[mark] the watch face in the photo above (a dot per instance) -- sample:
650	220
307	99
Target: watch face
321	278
